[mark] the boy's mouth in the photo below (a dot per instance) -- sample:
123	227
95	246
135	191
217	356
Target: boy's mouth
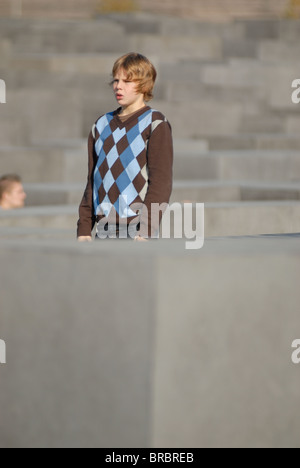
119	96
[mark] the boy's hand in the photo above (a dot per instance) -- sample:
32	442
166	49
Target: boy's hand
84	239
140	239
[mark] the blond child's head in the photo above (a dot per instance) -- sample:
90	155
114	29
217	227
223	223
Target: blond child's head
139	70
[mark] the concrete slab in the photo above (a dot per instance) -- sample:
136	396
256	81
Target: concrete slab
252	218
279	52
267	166
204	191
52	217
212	118
221	218
170	48
47	163
98	366
256	141
53	194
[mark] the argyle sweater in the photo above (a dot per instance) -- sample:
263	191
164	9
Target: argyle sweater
130	167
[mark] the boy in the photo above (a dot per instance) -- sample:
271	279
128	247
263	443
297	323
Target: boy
130	160
12	195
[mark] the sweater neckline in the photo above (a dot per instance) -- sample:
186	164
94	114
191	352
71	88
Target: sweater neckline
134	116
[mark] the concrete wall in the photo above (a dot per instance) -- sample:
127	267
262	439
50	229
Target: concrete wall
146	345
220	10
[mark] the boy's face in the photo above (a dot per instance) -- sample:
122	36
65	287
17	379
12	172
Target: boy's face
125	91
15	197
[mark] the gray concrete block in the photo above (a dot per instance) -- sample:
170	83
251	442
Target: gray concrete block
89	366
277	142
13	131
279	52
252	218
72	37
137	22
47	115
49	163
73	384
271	192
239	165
18	233
189	146
170	48
190	90
292	126
231	142
228	331
260	165
205	191
84	63
261	29
240	73
262	122
289	30
247	48
212	118
279	94
53	194
46	217
221	218
195	167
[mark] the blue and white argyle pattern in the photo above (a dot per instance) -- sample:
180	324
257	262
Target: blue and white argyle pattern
120	176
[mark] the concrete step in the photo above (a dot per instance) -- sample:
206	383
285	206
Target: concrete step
54	194
46	217
252	218
267	166
50	36
205	324
239	219
227	191
35	233
183	191
58	163
218	10
39	116
44	164
221	219
254	141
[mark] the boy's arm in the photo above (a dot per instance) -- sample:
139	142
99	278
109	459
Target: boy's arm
160	171
86	209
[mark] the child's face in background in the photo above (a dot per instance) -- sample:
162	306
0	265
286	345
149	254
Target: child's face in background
126	92
15	197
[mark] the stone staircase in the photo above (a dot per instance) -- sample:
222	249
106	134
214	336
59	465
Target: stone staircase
212	10
218	10
226	88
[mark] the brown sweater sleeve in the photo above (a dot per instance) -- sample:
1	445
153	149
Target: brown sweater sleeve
86	209
160	172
